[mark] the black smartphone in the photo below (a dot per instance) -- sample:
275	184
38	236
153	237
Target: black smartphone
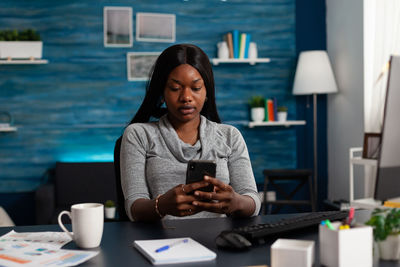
196	169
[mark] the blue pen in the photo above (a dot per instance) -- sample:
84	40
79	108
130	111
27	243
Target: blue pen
172	245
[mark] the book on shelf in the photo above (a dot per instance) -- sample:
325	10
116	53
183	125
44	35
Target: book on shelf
235	39
271	109
246	49
270	106
275	108
238	44
228	38
242	45
266	109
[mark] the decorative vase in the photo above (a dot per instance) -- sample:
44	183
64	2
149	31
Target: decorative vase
257	114
389	249
223	51
109	212
282	115
253	54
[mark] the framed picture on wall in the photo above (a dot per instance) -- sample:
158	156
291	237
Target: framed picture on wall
139	65
155	27
117	26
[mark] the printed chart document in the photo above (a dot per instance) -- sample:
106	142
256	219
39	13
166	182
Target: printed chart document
55	239
39	249
173	250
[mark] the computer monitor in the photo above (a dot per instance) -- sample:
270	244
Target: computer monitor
388	174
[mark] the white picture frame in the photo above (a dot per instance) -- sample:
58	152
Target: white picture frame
139	65
155	27
117	26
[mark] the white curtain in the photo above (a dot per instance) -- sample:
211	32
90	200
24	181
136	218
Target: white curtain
381	39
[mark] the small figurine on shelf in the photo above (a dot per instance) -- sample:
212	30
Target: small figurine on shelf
253	54
223	51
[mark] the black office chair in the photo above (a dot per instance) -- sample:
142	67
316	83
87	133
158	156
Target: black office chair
120	194
72	183
275	177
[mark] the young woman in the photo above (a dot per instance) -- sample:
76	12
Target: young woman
154	154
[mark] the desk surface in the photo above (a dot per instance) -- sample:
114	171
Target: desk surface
116	246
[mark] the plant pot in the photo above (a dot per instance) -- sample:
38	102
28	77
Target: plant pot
257	114
109	213
21	49
282	115
389	249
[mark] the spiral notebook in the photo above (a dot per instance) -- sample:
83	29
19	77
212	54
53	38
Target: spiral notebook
173	250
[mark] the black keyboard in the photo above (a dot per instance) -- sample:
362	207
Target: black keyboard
258	232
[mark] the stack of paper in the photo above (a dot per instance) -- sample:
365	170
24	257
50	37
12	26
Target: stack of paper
173	250
392	203
40	249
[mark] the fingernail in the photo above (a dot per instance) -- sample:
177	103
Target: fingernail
195	203
196	193
206	177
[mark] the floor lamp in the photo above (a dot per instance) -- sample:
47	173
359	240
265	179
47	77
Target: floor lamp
314	76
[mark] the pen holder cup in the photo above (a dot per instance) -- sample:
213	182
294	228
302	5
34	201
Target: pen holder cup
346	248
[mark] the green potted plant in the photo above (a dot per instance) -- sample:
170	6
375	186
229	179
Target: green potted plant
282	113
386	224
257	110
23	44
109	209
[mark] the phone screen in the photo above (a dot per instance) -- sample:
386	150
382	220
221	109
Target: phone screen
196	169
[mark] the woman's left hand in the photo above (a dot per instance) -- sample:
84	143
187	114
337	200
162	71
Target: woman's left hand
223	200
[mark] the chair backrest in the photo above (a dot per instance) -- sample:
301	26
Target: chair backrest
120	194
79	182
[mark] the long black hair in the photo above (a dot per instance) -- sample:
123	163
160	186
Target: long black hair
169	59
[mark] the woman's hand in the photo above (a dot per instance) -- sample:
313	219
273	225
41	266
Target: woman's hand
177	202
223	200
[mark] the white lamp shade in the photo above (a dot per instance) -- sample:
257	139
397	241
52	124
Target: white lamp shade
314	74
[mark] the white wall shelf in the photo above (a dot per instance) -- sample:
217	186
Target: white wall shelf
276	123
217	61
8	129
23	61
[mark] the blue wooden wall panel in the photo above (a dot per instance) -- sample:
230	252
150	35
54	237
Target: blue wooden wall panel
75	107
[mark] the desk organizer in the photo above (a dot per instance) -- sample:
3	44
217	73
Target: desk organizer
346	248
292	252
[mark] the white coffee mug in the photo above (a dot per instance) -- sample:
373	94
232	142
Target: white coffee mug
87	224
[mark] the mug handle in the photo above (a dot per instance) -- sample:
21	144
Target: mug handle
62	225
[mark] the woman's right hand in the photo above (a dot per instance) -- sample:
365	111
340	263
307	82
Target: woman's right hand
177	202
